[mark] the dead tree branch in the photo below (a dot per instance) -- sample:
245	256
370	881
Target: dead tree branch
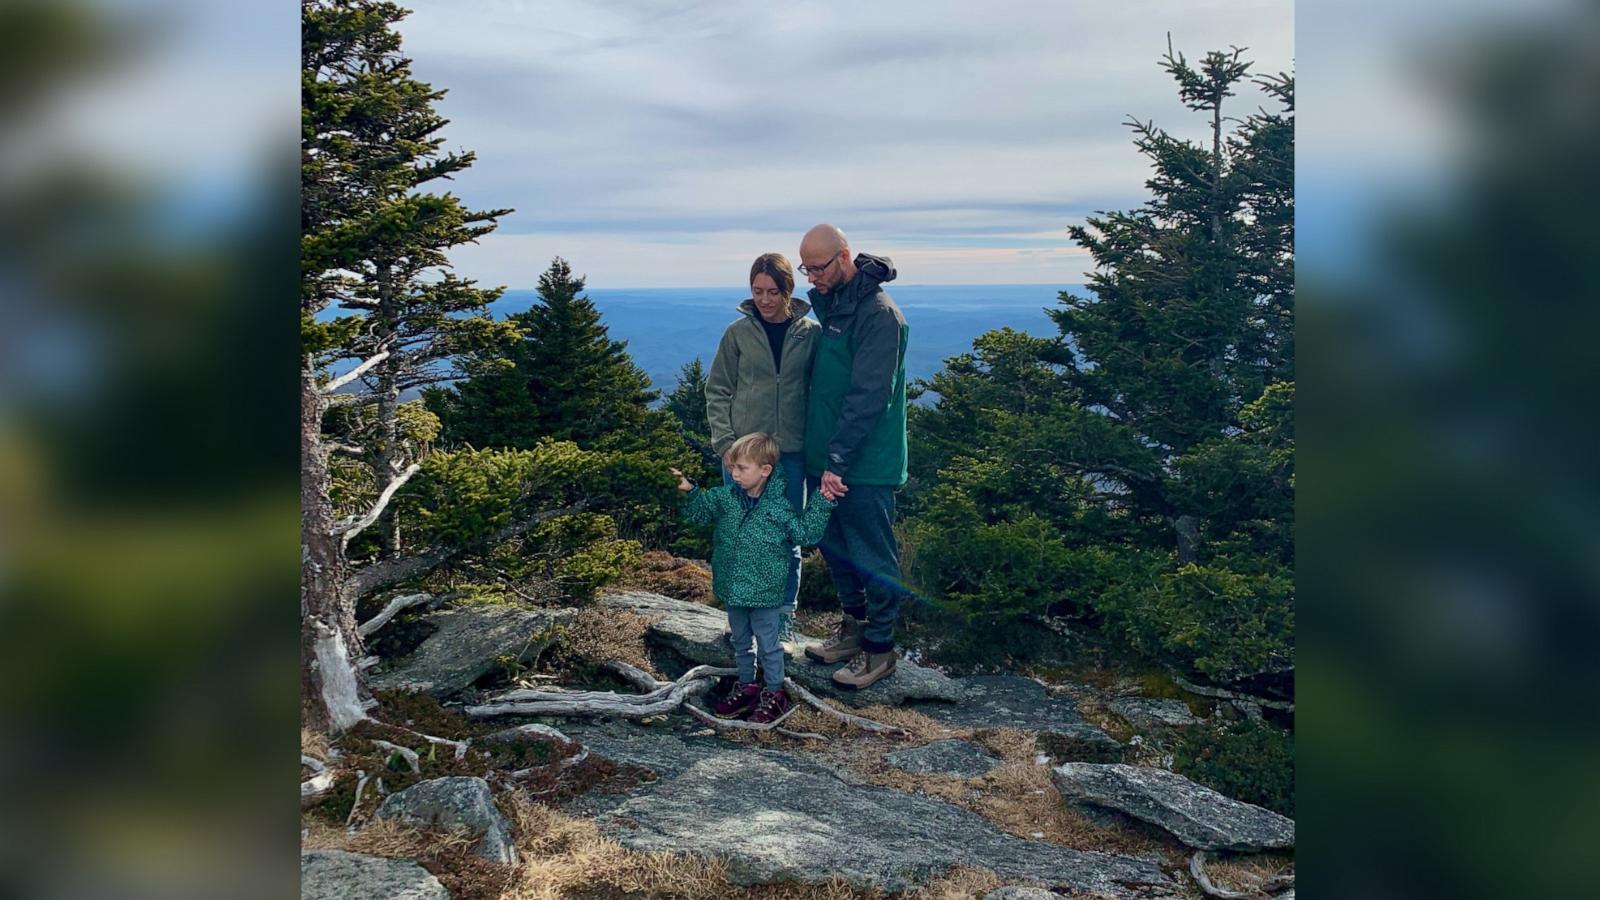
349	528
355	373
413	761
395	606
1198	872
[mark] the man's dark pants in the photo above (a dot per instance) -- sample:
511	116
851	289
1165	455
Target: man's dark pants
864	559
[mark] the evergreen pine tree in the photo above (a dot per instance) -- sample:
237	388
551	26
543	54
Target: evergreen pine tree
687	404
1138	467
374	246
373	242
564	379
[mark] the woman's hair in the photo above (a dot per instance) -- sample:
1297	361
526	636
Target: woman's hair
757	447
775	266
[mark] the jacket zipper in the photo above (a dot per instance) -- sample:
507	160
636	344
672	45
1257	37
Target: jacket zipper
777	378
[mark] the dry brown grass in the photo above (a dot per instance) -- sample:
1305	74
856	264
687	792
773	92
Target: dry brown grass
816	621
922	727
596	635
663	573
960	883
1095	711
1017	796
1248	873
565	857
447	853
314	744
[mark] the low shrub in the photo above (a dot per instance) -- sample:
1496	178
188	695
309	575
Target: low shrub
1248	760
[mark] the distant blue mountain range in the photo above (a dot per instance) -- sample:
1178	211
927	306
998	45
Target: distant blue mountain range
667	327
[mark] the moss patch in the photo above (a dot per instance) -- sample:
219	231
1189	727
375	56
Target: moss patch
662	573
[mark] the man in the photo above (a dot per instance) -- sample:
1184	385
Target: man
856	447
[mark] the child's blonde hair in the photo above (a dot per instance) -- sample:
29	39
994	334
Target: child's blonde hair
756	447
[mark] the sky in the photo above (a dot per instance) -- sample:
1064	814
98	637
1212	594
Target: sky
658	143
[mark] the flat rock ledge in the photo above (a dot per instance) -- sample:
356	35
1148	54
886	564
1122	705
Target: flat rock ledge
1194	814
777	817
695	633
958	759
1011	701
1148	712
457	800
468	645
338	875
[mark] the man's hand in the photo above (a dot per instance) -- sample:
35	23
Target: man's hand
683	483
833	486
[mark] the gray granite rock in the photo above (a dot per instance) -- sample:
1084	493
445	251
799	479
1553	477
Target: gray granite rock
1011	701
468	645
666	750
527	734
458	800
696	633
910	682
1194	814
960	759
337	875
1017	892
1149	712
775	816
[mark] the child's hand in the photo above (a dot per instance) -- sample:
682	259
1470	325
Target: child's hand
683	483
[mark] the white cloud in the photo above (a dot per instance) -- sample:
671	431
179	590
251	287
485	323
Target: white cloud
632	131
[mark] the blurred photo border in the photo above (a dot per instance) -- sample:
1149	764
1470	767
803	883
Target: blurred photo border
1449	503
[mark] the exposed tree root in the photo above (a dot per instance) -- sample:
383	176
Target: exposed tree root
361	784
847	718
644	680
664	698
320	781
410	756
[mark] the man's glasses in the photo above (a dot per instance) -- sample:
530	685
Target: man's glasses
818	270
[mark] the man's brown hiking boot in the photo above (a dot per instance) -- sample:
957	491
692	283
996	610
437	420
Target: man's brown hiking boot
866	669
843	645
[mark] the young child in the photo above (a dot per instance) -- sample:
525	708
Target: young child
756	529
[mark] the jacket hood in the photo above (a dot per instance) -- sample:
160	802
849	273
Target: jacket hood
875	269
797	307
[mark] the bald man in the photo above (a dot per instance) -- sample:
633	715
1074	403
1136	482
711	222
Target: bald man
856	447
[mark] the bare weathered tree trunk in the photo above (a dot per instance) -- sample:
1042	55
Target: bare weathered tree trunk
1188	531
330	686
387	461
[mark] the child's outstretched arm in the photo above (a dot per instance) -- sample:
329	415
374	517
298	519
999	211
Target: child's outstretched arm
699	507
806	529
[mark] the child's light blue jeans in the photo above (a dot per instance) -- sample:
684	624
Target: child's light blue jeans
761	624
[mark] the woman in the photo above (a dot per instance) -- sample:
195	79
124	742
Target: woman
759	382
